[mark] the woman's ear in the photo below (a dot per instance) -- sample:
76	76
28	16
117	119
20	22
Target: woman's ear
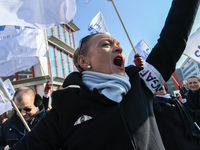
82	61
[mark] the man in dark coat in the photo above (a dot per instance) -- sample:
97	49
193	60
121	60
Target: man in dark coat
31	109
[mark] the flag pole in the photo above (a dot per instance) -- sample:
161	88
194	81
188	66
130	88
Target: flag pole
123	26
20	115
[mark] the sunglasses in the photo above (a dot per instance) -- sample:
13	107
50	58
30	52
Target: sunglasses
25	109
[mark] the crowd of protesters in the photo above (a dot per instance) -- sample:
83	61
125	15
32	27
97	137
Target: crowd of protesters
115	107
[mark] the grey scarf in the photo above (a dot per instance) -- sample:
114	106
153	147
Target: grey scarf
113	86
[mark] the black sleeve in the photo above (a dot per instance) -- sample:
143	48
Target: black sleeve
45	134
173	37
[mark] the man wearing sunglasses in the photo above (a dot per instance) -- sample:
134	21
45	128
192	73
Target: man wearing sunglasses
32	110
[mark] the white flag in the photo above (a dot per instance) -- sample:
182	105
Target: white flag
192	49
5	98
141	48
40	14
13	66
97	25
20	48
9	87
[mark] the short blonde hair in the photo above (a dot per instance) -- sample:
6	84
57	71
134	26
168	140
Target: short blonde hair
194	76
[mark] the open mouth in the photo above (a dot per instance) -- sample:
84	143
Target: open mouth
118	62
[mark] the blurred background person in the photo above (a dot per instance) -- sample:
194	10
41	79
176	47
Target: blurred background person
193	99
175	123
32	110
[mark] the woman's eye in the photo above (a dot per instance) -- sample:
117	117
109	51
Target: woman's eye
105	44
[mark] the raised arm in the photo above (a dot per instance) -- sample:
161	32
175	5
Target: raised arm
162	60
173	37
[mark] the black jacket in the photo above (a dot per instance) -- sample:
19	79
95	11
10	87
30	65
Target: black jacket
14	129
193	105
84	119
175	125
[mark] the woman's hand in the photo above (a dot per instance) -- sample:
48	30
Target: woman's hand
138	60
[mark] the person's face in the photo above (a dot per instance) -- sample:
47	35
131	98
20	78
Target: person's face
193	84
105	55
26	107
161	91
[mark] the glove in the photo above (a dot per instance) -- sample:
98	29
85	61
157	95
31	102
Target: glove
4	115
47	87
138	60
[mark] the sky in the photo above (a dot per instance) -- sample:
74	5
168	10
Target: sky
143	19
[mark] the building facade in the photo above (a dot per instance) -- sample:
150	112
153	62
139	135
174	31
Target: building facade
190	67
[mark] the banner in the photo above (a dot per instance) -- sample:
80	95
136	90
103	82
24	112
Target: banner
5	98
97	25
41	14
192	49
9	87
143	49
20	48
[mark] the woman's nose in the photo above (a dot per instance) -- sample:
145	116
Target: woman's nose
117	49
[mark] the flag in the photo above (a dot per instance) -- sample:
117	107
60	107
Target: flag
40	14
143	49
20	48
192	49
9	87
97	25
5	98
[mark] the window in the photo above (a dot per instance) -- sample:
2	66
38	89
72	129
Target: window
66	64
52	60
56	32
71	64
68	37
25	74
60	65
62	33
72	39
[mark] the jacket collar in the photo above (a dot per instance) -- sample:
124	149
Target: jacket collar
17	124
75	78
